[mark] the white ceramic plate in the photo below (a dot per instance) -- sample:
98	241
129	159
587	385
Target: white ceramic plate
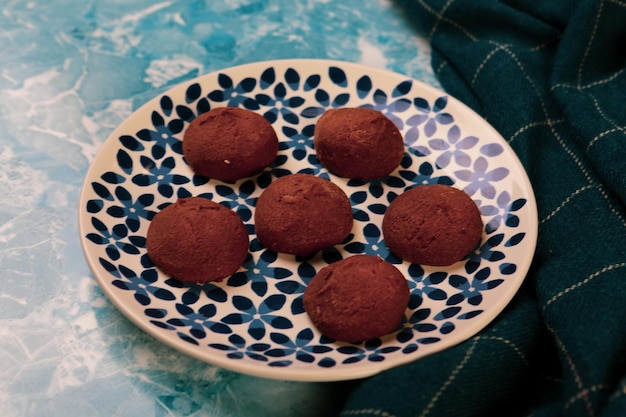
254	322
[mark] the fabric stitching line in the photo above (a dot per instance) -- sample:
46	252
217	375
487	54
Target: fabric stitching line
573	369
620	392
569	152
533	124
546	43
451	378
591	39
544	107
586	174
509	344
556	135
583	393
600	111
502	47
559	139
439	16
565	202
445	19
590	85
583	282
367	411
487	58
441	67
618	2
545	111
603	134
604	195
612	207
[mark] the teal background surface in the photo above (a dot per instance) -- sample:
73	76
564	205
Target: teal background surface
71	71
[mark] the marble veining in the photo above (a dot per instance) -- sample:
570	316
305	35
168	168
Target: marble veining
71	71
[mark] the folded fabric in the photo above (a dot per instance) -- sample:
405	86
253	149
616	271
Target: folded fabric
550	76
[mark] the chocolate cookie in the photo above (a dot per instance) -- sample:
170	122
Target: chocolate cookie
358	143
432	225
356	299
301	214
229	143
197	240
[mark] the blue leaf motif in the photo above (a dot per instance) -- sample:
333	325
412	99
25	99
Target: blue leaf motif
371	230
507	268
377	208
455	299
297	306
157	119
458	281
515	240
292	78
518	204
402	89
323	98
185	113
203	106
421	104
338	76
327	362
428	340
247	84
399	106
98	224
224	81
166	104
164	294
469	315
94	206
358	197
492	149
268	77
341	100
280	322
272	303
364	86
193	92
131	143
436	278
215	293
102	191
157	313
447	313
96	238
113	178
124	161
494	283
235	318
109	267
290	287
242	303
312	82
483	274
440	104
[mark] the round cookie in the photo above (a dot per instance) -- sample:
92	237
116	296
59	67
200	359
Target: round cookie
229	143
356	299
197	240
301	214
434	225
358	143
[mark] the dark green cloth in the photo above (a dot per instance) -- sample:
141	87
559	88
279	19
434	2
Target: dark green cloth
550	76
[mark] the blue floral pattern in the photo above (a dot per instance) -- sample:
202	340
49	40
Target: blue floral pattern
255	317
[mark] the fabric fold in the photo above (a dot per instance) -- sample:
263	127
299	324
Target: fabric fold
551	78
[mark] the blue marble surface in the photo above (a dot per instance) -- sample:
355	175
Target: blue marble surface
71	71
